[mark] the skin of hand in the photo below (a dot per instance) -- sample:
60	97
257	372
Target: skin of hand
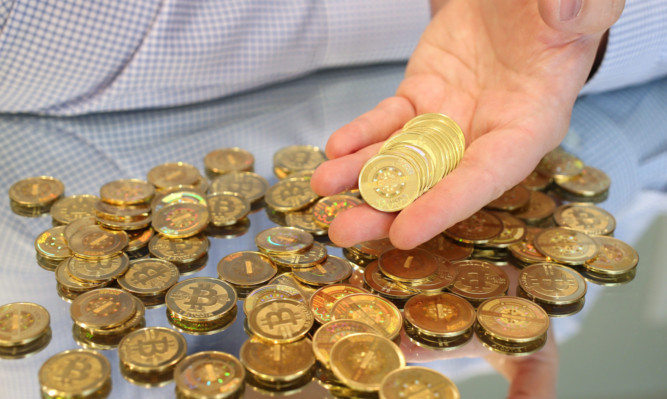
508	72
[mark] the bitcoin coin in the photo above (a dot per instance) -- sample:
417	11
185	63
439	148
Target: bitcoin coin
95	242
512	319
586	218
227	208
227	160
479	280
269	293
371	309
514	229
324	298
149	277
567	246
179	251
178	195
138	239
72	285
389	183
181	220
536	181
413	265
305	221
552	284
332	270
515	198
98	270
417	382
103	308
540	207
439	315
52	245
614	258
248	184
280	321
200	299
283	240
317	253
274	363
22	323
127	192
296	158
383	286
525	250
152	350
559	163
331	332
76	373
74	207
289	279
479	228
326	209
290	194
209	374
246	268
36	192
444	276
76	225
173	174
590	182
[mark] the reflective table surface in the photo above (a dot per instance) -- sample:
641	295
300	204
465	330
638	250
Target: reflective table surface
614	348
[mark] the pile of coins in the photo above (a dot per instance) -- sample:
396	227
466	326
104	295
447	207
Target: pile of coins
225	161
78	373
24	329
34	196
408	164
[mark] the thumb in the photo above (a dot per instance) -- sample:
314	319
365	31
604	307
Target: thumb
580	16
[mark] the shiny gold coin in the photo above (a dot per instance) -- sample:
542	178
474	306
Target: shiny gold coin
94	242
112	335
200	299
98	270
280	321
590	182
326	209
121	213
440	315
289	280
147	277
479	228
332	270
226	160
389	183
566	246
371	309
138	239
76	225
508	348
189	195
103	308
152	350
479	280
173	174
552	284
22	323
363	360
608	280
283	240
227	208
331	332
615	257
514	229
559	163
76	373
179	251
269	293
208	327
304	220
36	192
540	207
290	194
69	209
277	362
417	382
127	192
447	248
52	245
248	184
181	220
317	253
30	212
297	158
324	298
525	250
515	198
536	181
513	319
444	276
586	218
66	280
246	268
384	286
209	374
413	265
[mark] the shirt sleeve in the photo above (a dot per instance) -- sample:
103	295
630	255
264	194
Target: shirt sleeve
637	48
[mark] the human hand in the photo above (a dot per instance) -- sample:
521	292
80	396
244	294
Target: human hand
508	71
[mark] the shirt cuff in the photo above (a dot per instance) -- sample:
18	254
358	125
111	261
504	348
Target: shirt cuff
636	50
370	31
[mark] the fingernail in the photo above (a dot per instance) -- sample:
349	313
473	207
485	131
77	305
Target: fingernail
569	9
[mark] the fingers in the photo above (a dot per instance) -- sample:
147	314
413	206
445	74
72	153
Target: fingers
341	174
373	126
361	223
581	16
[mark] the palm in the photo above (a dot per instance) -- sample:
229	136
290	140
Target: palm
508	79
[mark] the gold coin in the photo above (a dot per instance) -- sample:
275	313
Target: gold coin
269	293
317	253
540	207
559	163
536	181
36	192
590	182
77	373
246	268
209	374
615	257
22	323
146	277
66	280
332	270
111	336
94	242
173	174
226	160
52	244
515	198
566	246
152	349
525	250
179	251
324	298
297	158
326	209
138	239
290	194
280	321
304	220
512	319
374	248
121	213
331	332
76	225
440	315
127	192
371	309
447	248
552	283
479	228
277	362
200	299
478	280
181	220
283	240
389	183
414	265
289	279
68	209
444	276
103	308
98	270
179	195
508	348
384	286
362	360
227	208
248	184
514	229
586	218
417	382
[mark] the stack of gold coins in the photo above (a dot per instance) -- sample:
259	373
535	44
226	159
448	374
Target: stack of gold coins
228	160
289	195
331	332
74	207
78	275
102	317
512	326
408	164
188	254
367	251
34	196
479	280
70	287
80	373
247	184
615	263
51	248
148	356
227	208
417	270
125	205
270	292
372	309
24	329
295	159
586	218
176	175
558	289
149	280
324	298
246	271
385	287
201	305
209	374
438	321
403	382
